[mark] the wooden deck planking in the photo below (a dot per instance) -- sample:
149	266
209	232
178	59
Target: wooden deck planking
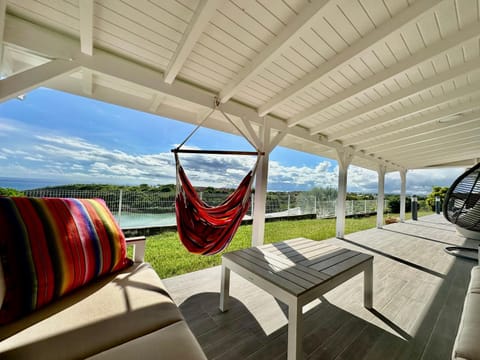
418	298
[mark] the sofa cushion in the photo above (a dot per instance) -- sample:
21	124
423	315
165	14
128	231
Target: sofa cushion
106	313
467	343
175	341
51	246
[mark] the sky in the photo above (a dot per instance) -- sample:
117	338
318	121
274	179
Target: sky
65	138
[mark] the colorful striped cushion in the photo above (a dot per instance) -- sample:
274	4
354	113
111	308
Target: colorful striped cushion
51	246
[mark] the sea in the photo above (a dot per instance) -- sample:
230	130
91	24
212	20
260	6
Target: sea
28	183
125	220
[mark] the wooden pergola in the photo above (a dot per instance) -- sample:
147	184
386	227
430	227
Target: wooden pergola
385	85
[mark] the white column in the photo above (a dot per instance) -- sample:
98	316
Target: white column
344	160
381	195
261	179
403	190
258	226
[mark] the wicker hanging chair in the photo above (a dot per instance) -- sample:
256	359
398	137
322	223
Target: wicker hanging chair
462	208
462	201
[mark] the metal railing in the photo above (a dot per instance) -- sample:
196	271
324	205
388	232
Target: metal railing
153	208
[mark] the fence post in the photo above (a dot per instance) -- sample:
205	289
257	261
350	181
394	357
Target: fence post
120	198
315	206
252	195
288	205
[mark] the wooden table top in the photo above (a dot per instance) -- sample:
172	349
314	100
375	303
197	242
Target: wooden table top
297	265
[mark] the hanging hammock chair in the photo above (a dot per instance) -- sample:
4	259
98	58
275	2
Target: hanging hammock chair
462	208
204	229
462	205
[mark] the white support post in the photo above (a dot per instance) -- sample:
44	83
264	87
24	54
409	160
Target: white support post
261	178
344	159
403	190
258	228
381	195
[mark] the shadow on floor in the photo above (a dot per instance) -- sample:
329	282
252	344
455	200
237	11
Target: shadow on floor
329	332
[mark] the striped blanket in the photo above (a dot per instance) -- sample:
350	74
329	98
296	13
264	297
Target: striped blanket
51	246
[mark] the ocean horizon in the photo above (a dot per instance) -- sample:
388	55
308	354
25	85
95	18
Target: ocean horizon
29	183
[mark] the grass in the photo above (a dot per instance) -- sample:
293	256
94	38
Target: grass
168	257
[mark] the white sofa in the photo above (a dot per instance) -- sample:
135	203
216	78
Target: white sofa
128	315
467	342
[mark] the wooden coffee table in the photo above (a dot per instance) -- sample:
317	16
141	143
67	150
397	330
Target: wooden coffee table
296	272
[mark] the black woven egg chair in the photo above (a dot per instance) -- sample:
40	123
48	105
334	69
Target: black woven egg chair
462	208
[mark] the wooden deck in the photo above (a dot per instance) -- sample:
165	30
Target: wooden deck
418	298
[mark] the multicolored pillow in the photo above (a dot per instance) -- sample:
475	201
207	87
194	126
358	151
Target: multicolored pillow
51	246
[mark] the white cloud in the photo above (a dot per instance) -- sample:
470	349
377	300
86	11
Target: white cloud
82	161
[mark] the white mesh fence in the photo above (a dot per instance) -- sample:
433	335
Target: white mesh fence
154	208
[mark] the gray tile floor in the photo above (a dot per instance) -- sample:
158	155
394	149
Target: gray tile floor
418	298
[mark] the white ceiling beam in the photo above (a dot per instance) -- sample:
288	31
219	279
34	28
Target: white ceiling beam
468	90
428	141
205	10
363	45
282	41
157	100
428	134
41	40
439	151
423	133
416	122
440	47
3	12
404	93
441	159
86	26
27	80
87	82
436	144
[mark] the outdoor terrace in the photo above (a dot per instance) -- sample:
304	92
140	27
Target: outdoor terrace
419	291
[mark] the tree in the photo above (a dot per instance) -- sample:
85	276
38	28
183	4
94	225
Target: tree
440	191
394	204
10	192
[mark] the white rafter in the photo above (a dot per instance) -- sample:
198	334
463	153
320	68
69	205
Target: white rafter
205	11
424	131
3	10
86	26
440	47
416	122
27	80
275	48
360	47
22	34
429	83
412	110
430	134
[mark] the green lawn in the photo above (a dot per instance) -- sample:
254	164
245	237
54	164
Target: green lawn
167	255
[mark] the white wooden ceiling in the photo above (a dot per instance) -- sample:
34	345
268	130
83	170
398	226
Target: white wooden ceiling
396	82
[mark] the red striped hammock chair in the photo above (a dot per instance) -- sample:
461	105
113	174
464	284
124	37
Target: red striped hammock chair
205	229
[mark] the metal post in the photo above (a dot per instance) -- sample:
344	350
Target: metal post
120	199
414	208
437	204
288	205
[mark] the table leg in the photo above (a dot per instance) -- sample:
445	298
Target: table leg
295	332
224	288
368	286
